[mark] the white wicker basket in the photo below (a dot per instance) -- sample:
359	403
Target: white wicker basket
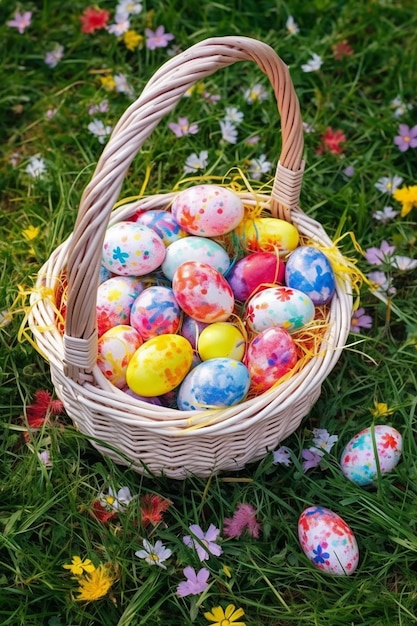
152	438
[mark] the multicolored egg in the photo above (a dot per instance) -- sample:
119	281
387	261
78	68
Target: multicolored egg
202	292
269	356
255	272
328	541
155	312
267	234
191	329
162	223
216	383
104	274
159	365
207	210
279	306
221	339
358	461
131	249
309	270
195	249
115	349
115	298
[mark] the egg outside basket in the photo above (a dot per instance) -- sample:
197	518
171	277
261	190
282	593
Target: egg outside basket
151	438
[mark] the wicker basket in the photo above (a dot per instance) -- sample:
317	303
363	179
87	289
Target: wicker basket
151	438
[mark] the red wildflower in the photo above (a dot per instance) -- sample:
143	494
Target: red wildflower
342	49
244	518
41	407
152	507
331	141
93	19
101	512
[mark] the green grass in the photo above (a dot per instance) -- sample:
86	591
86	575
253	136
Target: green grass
46	513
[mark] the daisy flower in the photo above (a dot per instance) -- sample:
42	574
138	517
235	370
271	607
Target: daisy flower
154	555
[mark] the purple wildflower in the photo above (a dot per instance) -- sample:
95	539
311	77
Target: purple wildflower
406	138
360	320
183	127
205	542
157	39
378	256
323	440
196	582
20	21
282	455
312	458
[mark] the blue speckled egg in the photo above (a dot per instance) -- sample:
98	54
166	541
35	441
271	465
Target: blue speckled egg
214	384
309	270
163	223
155	312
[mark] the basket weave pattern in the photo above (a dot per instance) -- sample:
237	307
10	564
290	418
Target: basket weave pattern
131	432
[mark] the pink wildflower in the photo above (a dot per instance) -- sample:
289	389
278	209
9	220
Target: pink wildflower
20	21
183	127
157	39
196	582
244	518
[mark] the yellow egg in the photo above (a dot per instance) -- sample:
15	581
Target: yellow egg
266	234
221	339
159	365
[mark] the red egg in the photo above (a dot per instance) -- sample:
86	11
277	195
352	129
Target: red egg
255	272
269	356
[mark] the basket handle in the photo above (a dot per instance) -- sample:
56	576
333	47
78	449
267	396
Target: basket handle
161	94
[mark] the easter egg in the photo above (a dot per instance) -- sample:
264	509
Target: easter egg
130	249
221	339
159	365
162	223
250	273
309	270
267	234
279	306
195	249
215	383
269	356
359	462
155	312
150	400
115	298
328	541
104	274
191	329
202	292
115	348
207	210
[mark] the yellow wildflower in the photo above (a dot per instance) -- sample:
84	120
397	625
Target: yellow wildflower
31	232
95	585
225	618
132	39
226	571
408	198
108	82
381	408
149	18
78	566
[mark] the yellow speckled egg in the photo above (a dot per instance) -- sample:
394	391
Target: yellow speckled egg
221	339
266	234
159	365
115	349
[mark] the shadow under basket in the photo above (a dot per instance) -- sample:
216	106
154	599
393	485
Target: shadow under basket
154	439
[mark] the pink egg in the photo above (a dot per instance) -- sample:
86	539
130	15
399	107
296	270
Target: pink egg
255	272
202	292
163	223
115	298
279	306
131	249
155	312
207	210
115	349
269	356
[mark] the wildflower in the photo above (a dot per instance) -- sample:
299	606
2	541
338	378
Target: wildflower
53	57
331	141
97	128
403	263
101	107
408	198
378	256
50	113
252	141
257	93
244	518
121	25
205	542
386	214
406	138
349	171
196	162
323	440
78	567
360	320
291	26
45	458
183	127
43	405
226	617
157	39
21	21
152	508
196	582
342	49
154	555
380	409
313	64
103	512
259	166
117	501
96	584
233	115
388	184
212	98
312	458
36	166
31	232
400	108
93	19
14	159
128	7
121	85
108	82
229	131
382	283
308	128
282	456
5	318
132	39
